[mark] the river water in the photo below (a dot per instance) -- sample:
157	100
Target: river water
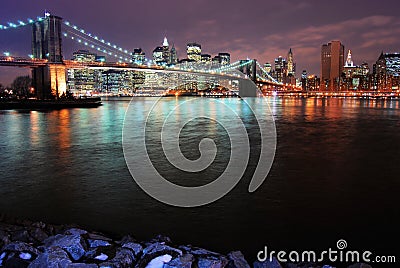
335	176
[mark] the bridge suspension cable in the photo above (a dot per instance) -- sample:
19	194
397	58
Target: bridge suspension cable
267	74
93	41
19	23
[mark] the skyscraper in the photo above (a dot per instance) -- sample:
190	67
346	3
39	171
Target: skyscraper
225	58
158	57
291	65
166	53
138	56
174	56
332	63
280	69
194	52
387	71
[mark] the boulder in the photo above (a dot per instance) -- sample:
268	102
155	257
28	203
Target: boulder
155	250
159	262
184	261
20	247
124	258
73	244
237	260
95	243
135	247
212	262
75	231
53	257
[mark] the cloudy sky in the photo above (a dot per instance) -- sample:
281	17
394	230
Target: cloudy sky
259	29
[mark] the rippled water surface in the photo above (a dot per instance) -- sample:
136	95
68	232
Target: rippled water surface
335	175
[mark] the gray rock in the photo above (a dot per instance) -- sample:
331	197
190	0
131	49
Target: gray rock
124	258
184	261
135	247
25	256
159	261
75	231
267	264
101	257
20	247
237	260
94	243
99	237
161	248
73	244
53	257
212	262
199	251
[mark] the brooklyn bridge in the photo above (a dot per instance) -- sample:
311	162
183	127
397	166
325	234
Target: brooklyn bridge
49	68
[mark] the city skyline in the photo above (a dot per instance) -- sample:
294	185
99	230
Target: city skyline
366	30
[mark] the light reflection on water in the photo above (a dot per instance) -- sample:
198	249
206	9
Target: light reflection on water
335	176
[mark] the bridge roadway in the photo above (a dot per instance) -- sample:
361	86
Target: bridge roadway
70	64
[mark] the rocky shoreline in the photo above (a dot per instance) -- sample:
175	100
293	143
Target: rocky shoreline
36	245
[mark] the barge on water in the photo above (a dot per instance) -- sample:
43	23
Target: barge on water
31	104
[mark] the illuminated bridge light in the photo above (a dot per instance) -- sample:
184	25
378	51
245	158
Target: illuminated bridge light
1	27
31	21
65	34
109	44
67	23
92	46
86	43
74	27
102	40
114	46
82	31
98	49
96	38
126	51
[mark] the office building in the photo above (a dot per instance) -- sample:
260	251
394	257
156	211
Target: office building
194	52
225	58
332	63
138	56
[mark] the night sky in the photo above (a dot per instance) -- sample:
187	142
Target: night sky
257	29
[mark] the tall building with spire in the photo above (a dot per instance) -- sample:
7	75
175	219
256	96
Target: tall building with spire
349	61
291	65
166	52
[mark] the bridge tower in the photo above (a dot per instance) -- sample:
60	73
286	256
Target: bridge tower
50	80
